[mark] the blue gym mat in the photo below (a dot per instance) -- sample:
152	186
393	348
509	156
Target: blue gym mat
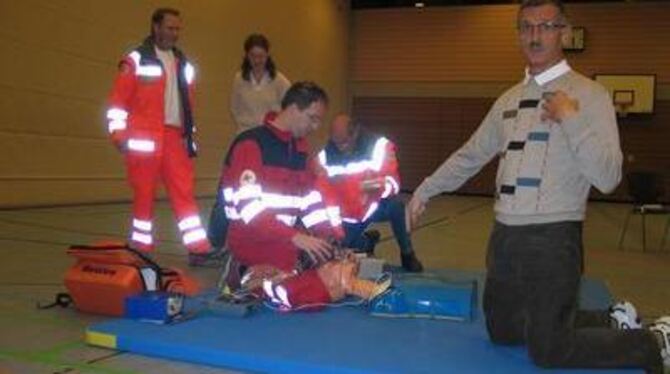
337	340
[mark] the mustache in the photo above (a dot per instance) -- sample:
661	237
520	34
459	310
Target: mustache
535	45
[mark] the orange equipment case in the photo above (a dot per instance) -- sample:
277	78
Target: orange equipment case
105	275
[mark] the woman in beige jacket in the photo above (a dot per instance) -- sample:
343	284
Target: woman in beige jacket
258	87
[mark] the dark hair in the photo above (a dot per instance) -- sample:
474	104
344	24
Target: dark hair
533	3
303	94
257	40
159	14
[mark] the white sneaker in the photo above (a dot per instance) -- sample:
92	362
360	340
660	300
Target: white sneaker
661	327
624	315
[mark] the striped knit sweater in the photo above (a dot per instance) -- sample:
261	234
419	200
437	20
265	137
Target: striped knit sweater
545	169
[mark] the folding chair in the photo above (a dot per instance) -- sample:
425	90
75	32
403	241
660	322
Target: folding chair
645	190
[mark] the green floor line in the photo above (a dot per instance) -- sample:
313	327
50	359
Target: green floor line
52	359
65	346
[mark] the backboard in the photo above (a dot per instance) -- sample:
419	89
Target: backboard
631	93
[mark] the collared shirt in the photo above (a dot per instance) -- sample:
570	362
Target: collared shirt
548	75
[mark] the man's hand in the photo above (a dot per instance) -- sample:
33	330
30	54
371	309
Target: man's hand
318	249
414	210
558	106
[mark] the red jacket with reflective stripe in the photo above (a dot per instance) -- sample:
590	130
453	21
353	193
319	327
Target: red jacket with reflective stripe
340	175
137	101
270	195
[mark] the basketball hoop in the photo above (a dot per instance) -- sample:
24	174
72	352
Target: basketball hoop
623	100
622	109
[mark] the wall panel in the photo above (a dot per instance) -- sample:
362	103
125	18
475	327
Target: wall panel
479	43
60	57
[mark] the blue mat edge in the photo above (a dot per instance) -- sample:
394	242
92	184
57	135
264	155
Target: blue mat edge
255	363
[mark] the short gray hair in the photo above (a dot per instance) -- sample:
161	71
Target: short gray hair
533	3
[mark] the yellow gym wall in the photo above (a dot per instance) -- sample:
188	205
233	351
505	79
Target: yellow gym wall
60	57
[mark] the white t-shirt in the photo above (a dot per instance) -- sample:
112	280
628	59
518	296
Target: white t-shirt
172	107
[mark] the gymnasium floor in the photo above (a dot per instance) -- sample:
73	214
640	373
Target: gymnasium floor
453	234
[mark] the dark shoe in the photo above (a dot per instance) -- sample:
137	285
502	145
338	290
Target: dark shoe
230	280
372	237
410	263
213	259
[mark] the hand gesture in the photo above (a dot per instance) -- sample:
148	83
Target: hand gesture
318	249
415	209
558	106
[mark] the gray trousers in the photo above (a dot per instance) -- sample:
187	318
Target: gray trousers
530	297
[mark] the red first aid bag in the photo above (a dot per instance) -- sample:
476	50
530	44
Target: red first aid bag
105	275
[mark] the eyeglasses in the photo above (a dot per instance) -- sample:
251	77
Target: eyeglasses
544	27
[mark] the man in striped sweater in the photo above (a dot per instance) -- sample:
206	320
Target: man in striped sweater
556	135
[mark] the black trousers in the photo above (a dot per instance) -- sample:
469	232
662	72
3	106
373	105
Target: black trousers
530	297
391	209
217	229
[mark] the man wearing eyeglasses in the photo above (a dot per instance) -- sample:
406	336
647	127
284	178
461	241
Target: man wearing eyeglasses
280	228
556	136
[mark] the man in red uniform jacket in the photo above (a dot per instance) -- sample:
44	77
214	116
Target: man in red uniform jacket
280	227
151	123
358	172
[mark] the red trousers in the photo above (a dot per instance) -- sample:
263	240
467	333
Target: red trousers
148	161
305	291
